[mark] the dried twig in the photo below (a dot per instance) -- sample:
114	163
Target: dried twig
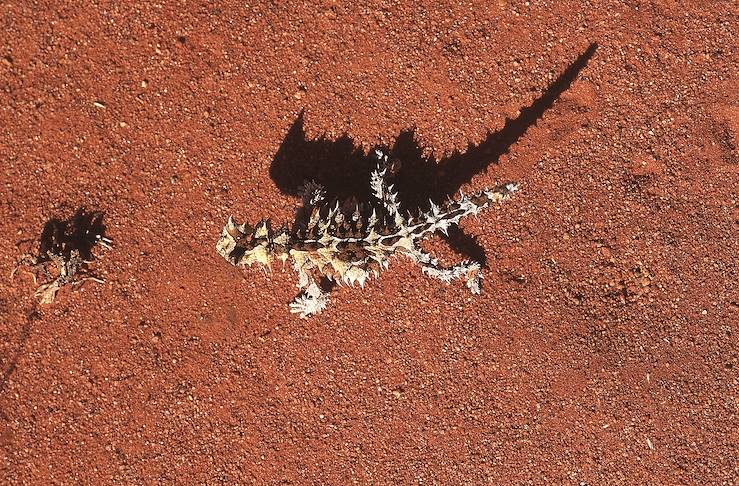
65	252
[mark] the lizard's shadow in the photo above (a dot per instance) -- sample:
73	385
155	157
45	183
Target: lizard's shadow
344	170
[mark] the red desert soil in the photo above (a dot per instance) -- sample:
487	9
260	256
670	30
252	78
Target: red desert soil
603	349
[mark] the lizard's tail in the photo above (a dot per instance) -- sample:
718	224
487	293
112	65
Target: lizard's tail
439	218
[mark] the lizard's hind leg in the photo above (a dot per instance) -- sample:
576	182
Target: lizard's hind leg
311	300
470	270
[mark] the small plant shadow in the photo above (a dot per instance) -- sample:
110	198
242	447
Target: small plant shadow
81	232
344	170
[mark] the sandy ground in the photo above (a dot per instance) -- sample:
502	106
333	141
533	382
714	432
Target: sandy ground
603	349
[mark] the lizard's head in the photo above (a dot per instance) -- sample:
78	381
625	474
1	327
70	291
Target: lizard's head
243	244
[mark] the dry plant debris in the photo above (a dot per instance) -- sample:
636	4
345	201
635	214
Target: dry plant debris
65	251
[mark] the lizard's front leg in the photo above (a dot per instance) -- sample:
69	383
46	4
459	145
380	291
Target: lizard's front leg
312	194
311	300
470	270
382	191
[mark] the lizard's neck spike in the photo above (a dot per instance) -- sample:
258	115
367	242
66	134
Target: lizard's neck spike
232	227
263	229
236	230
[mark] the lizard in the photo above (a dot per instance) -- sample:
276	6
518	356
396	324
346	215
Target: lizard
351	246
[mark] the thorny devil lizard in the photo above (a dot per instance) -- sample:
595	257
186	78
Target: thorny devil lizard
350	246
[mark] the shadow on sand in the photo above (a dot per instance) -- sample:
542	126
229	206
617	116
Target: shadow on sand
344	170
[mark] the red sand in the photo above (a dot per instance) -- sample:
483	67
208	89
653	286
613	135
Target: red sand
602	351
